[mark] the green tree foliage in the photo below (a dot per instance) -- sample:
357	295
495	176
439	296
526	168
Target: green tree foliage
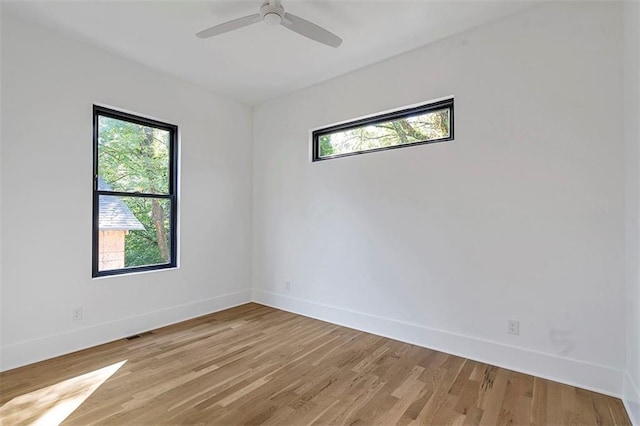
429	126
135	158
325	146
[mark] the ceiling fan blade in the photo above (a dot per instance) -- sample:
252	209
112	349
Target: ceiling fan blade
310	30
230	26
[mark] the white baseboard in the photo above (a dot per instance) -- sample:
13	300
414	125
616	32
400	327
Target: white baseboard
27	352
586	375
631	399
573	372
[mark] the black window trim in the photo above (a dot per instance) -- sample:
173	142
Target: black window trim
380	118
171	196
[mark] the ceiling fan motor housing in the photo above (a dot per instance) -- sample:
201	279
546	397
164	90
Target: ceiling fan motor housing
272	14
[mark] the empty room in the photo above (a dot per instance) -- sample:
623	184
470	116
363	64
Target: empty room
296	212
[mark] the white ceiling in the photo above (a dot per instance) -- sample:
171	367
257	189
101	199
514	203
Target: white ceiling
259	62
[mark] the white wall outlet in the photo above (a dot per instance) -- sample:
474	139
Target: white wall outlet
513	327
287	285
76	314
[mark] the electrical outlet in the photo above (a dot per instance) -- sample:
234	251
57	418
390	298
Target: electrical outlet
76	314
287	285
513	327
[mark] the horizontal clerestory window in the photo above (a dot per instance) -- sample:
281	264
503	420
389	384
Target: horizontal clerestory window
428	123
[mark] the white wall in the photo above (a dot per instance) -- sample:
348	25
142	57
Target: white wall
49	84
521	217
632	144
1	239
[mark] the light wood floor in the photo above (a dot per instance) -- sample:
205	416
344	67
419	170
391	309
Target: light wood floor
253	364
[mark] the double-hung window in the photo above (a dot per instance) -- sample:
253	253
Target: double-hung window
134	193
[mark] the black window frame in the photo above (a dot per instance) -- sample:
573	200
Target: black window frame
99	111
380	118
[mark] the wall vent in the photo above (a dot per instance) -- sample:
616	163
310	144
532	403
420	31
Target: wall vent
137	336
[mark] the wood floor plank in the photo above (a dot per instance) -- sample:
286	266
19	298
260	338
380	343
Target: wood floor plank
554	406
257	365
538	406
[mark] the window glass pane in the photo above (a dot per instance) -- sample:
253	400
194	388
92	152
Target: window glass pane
133	231
132	157
429	126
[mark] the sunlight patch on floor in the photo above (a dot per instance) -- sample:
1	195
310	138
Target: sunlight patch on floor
53	404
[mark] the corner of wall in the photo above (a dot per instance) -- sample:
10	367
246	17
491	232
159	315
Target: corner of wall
631	95
1	258
631	399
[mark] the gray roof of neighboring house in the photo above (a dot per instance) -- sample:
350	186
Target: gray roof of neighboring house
114	215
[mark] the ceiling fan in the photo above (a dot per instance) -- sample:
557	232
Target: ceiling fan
272	13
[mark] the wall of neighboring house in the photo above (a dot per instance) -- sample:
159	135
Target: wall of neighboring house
521	217
49	84
631	72
111	249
